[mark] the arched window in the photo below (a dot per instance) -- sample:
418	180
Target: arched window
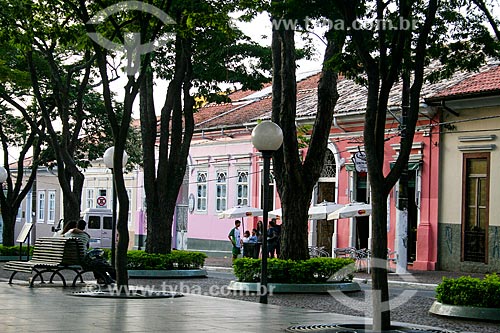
329	166
242	186
221	191
201	200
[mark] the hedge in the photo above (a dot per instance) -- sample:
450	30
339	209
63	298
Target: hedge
314	270
469	291
14	250
177	259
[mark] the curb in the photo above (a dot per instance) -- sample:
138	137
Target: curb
181	273
218	269
469	312
402	284
296	288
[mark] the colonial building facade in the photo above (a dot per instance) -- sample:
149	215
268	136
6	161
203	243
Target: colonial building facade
469	227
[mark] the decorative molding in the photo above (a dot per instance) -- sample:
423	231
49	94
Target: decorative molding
473	138
242	164
201	162
413	158
415	145
477	147
241	156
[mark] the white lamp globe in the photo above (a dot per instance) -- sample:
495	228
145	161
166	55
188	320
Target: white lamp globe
3	174
108	157
267	136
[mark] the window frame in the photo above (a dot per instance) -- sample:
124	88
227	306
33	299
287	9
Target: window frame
219	207
40	209
103	192
89	198
239	200
199	198
51	207
466	157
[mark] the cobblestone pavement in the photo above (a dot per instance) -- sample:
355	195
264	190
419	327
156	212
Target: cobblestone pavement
413	310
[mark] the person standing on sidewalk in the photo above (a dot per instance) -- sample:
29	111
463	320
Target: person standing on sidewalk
234	237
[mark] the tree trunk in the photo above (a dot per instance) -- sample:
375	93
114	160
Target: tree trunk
294	240
9	224
176	131
296	179
71	205
380	289
122	229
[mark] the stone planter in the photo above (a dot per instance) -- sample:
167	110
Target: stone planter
470	312
167	274
306	288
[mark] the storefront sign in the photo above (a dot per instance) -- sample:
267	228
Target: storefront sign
359	160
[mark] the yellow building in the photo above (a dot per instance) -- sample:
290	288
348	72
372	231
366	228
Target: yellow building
469	189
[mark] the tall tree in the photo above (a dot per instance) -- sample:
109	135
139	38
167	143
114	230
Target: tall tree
55	63
295	178
15	132
189	61
112	28
421	31
59	78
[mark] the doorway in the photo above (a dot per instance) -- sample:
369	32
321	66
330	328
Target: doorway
324	228
362	223
412	216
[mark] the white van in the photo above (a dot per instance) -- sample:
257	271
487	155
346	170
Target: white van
99	226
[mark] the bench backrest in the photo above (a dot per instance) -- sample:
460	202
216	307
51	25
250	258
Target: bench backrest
58	250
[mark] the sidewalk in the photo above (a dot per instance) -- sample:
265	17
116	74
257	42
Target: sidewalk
52	308
45	309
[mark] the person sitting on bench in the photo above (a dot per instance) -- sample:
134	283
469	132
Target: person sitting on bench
79	233
94	259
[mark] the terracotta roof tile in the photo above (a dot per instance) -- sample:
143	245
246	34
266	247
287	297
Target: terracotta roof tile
482	83
352	97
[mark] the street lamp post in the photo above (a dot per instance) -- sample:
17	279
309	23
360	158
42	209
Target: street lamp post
267	137
108	160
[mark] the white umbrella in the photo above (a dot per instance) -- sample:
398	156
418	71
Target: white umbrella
240	212
354	209
277	213
321	211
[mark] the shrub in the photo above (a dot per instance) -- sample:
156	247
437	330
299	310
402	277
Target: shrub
14	250
175	260
315	270
469	291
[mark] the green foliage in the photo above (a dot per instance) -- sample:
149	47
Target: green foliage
174	260
303	135
314	270
14	250
469	291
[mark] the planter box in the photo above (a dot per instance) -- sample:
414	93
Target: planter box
306	288
470	312
177	273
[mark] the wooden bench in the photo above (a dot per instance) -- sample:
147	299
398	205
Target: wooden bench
51	255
